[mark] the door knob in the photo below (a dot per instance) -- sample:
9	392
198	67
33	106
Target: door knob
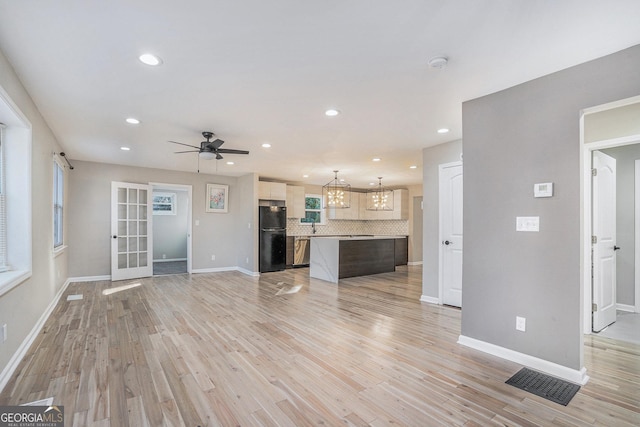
446	242
615	248
115	237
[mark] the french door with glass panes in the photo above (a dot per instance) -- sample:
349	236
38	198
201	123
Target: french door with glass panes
131	237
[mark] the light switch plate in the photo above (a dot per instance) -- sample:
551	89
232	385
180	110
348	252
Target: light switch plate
528	223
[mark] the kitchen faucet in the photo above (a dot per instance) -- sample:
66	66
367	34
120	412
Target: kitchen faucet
313	226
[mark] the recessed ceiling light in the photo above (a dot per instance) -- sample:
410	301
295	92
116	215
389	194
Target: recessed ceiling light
332	112
230	163
443	130
372	183
376	159
413	167
305	176
133	121
150	59
266	145
125	148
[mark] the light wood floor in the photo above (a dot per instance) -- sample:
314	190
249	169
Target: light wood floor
228	349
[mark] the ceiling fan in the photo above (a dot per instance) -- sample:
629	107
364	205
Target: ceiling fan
209	149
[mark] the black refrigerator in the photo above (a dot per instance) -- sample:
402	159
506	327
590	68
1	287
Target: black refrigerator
273	238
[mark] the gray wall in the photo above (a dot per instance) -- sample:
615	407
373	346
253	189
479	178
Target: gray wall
432	157
21	307
170	231
89	211
625	214
513	139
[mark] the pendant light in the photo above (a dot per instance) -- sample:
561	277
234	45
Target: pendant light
336	194
380	198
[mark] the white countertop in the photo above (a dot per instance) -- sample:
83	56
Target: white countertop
359	237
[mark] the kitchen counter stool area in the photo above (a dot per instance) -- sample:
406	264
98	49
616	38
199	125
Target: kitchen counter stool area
339	257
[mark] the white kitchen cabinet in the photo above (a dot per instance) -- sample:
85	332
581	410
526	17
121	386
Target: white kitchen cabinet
272	190
295	201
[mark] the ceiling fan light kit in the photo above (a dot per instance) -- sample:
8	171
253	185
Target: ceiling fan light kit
336	193
380	198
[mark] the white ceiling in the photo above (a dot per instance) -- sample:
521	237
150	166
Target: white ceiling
256	71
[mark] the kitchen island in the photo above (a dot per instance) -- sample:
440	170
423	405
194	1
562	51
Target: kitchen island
337	257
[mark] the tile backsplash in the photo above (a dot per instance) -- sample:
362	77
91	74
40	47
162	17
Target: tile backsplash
341	227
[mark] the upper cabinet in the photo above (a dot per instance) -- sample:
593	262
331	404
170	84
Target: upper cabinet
295	201
272	190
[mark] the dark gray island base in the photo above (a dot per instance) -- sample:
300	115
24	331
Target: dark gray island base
334	258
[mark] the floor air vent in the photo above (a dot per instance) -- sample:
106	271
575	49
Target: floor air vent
543	385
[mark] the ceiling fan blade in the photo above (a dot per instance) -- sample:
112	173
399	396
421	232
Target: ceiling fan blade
189	151
212	145
230	151
218	156
192	146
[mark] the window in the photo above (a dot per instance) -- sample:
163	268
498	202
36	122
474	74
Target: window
164	203
58	204
313	212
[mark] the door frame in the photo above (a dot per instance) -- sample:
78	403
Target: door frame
586	150
189	190
637	236
441	167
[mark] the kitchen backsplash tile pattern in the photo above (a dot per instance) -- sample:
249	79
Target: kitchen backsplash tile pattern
349	227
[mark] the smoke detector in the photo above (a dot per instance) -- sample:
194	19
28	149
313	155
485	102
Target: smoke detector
438	62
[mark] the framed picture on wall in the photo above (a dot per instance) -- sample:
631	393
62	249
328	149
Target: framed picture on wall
217	198
164	203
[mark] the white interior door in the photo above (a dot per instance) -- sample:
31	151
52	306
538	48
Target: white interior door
604	232
451	234
131	231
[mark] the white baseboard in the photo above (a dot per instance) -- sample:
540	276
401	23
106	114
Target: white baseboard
626	307
169	259
248	272
15	360
572	375
88	278
430	300
415	263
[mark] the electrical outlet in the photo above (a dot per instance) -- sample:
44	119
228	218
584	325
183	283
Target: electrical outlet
213	257
164	256
248	225
521	323
247	260
3	333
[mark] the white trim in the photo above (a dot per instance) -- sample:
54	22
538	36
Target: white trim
637	236
89	278
626	307
414	263
15	360
430	300
221	269
169	259
12	278
573	375
59	250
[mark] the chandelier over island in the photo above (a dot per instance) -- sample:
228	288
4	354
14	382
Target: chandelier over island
380	198
336	194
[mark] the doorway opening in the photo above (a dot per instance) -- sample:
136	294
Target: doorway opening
613	129
172	214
